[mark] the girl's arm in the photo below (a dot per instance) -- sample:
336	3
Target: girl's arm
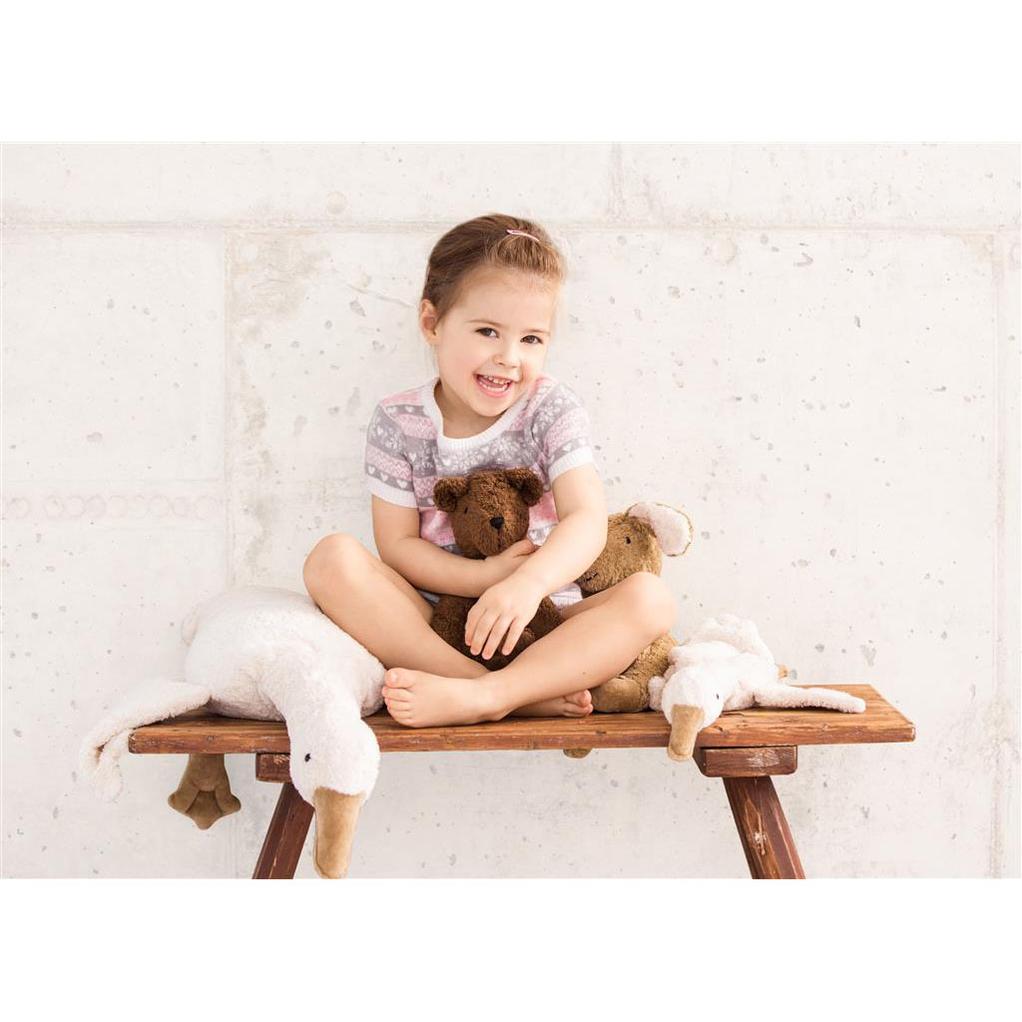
424	564
579	536
430	567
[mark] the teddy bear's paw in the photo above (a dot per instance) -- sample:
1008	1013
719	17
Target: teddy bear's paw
204	794
620	695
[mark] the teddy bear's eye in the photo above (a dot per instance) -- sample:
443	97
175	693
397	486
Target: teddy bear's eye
466	510
308	756
628	540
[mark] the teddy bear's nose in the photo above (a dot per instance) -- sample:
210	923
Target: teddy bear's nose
497	521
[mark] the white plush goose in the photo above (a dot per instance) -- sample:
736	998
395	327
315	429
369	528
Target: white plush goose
725	665
265	654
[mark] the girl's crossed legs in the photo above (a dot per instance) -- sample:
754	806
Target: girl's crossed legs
380	609
435	684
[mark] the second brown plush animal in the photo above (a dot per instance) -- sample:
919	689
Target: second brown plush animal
488	511
635	539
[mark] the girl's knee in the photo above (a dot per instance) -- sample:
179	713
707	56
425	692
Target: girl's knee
651	602
337	558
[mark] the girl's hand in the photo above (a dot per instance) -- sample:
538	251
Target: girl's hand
506	607
507	562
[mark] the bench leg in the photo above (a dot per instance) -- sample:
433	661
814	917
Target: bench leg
285	837
766	838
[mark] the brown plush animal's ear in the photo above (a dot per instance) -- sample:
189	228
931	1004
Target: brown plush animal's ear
447	491
526	482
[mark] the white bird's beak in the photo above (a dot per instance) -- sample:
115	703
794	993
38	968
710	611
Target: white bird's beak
336	817
685	724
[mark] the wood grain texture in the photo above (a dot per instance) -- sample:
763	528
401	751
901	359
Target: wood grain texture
758	762
881	722
762	826
273	767
285	837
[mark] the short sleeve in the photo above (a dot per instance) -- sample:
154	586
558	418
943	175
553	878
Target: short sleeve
561	431
388	471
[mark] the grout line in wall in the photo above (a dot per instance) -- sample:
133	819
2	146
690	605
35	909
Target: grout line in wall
413	227
996	838
1003	861
122	482
615	165
228	469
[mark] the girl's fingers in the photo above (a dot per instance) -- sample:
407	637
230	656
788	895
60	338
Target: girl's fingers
481	632
514	633
479	628
476	613
471	623
495	636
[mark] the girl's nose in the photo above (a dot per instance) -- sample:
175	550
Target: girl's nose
507	356
497	521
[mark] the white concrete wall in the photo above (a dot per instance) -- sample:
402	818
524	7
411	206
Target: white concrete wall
817	345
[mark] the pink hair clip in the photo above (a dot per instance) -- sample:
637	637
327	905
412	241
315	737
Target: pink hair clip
512	230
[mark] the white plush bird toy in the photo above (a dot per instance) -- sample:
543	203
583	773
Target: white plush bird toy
725	665
265	654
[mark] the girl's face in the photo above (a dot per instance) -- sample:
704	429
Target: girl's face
499	329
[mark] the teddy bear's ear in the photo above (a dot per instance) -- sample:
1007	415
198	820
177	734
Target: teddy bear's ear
526	482
446	492
672	528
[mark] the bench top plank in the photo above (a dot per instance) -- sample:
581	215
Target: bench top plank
201	732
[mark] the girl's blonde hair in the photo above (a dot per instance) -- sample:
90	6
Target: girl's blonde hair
485	242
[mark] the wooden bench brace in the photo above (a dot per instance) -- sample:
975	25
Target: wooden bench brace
743	747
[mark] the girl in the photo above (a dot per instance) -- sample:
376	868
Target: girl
487	310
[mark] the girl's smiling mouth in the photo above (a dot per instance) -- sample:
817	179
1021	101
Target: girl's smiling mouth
493	386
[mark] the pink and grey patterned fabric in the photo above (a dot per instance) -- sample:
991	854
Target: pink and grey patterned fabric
546	429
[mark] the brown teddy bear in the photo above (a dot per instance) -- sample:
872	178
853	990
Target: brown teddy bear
489	511
635	539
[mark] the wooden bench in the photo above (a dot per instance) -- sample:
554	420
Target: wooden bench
743	747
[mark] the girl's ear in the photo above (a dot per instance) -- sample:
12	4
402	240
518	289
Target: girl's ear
527	483
427	320
446	492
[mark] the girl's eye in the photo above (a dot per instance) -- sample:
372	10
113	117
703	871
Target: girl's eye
534	338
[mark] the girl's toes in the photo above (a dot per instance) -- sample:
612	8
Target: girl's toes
396	706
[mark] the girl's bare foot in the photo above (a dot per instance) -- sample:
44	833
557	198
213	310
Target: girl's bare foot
418	699
578	704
